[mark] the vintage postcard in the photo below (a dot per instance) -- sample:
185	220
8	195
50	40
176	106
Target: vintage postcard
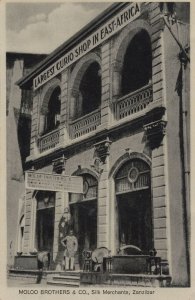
96	160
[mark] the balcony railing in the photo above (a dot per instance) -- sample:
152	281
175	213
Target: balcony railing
85	124
133	102
49	140
125	106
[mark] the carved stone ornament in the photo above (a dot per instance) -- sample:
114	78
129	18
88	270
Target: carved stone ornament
133	174
117	66
102	150
155	132
59	165
97	165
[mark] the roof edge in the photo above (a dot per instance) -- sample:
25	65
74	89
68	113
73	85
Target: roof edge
72	41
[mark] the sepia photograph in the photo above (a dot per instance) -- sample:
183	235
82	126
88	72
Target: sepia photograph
98	146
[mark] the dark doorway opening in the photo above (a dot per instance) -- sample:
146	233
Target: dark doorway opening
135	219
85	226
45	229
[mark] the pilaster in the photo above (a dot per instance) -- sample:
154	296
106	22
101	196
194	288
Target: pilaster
155	129
64	113
61	202
34	124
102	150
106	84
28	221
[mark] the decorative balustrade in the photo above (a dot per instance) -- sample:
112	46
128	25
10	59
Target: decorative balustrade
133	102
124	107
85	124
49	140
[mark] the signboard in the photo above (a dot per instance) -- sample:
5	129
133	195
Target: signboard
127	15
53	182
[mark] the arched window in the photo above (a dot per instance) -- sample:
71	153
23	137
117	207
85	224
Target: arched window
134	175
90	88
86	95
133	202
137	64
90	187
52	117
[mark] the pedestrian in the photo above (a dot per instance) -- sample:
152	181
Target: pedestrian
71	245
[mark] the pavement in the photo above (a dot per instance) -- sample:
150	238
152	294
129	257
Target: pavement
12	282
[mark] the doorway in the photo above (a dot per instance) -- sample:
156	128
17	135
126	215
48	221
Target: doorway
133	204
135	219
85	226
45	229
45	220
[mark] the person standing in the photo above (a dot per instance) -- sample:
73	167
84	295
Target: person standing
71	245
65	223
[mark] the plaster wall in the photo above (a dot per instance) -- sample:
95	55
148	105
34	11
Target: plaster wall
174	160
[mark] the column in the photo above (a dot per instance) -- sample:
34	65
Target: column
116	80
73	103
60	203
64	113
106	84
28	222
41	123
155	131
34	126
159	202
102	150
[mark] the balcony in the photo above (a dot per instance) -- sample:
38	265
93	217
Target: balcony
133	102
49	140
85	124
123	109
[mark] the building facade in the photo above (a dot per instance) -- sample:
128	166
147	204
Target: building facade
108	107
18	119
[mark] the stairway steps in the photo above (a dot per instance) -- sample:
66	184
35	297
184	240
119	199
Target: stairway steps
63	283
70	273
68	278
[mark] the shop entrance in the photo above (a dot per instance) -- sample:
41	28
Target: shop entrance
83	208
133	205
45	229
85	226
135	221
45	221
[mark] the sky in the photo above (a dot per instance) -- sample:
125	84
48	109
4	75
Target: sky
41	27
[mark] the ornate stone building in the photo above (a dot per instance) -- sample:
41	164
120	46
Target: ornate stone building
111	105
